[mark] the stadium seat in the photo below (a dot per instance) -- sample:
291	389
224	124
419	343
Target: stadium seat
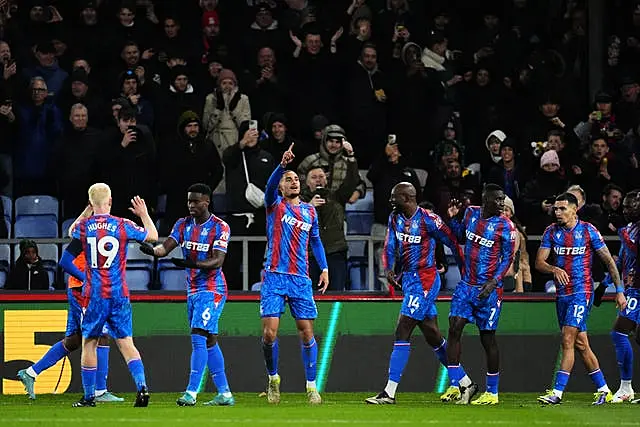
35	227
219	202
37	205
357	275
422	176
138	279
363	176
64	228
136	258
161	207
5	262
362	205
171	277
7	204
359	222
47	251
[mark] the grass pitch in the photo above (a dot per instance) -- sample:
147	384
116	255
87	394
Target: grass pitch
412	409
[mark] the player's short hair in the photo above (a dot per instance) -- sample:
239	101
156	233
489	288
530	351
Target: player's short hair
578	189
99	194
490	188
568	197
201	189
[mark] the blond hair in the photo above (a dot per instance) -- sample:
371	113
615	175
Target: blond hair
99	194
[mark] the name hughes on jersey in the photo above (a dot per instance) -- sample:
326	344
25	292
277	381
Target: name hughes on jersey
288	219
409	238
577	250
479	239
101	226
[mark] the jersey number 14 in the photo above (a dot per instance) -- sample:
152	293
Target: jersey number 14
107	247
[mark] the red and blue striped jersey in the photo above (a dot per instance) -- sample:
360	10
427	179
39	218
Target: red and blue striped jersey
104	242
628	253
489	246
573	252
290	230
414	241
198	241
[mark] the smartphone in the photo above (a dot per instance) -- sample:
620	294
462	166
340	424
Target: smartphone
322	192
253	125
599	115
134	129
400	28
391	139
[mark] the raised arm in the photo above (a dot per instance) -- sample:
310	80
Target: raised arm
444	234
457	226
71	253
86	213
271	192
139	208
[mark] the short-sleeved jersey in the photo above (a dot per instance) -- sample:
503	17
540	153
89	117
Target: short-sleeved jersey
79	260
104	241
627	257
573	252
414	241
198	241
489	246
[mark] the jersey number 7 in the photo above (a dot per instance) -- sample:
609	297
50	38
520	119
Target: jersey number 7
107	247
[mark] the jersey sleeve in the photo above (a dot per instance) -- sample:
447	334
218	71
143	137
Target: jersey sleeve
221	241
75	233
442	233
546	241
458	227
134	231
509	237
316	243
271	192
390	245
597	242
176	231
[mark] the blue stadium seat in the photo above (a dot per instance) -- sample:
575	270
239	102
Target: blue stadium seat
357	275
47	251
138	279
171	278
161	206
362	205
37	205
136	258
219	202
64	228
7	222
35	227
359	222
5	262
7	204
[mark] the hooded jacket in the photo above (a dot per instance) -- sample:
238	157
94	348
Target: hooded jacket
28	276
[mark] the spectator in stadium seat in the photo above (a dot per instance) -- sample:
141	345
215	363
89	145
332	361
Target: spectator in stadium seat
78	90
491	156
76	159
265	85
389	169
178	96
455	184
264	31
547	118
89	39
39	126
599	169
508	173
601	123
277	139
330	206
539	193
48	69
627	109
130	88
132	61
244	217
224	110
366	105
333	158
196	159
174	43
132	28
28	272
518	279
611	219
9	80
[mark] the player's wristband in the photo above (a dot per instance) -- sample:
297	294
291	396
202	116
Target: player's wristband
619	289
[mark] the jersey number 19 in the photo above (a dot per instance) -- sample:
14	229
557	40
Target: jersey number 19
107	247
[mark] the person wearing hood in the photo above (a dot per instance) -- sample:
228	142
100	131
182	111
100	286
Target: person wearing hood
508	173
366	106
48	69
492	157
333	158
180	96
247	168
277	139
224	110
539	194
192	159
76	153
28	274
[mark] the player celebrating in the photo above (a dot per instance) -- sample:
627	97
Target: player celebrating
74	263
573	243
490	246
204	238
292	226
104	241
413	231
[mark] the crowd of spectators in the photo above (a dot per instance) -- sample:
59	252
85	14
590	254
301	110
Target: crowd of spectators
151	96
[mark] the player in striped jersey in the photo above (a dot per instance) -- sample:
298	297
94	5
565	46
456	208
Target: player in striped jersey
104	241
489	248
573	243
292	226
203	238
628	319
73	262
413	233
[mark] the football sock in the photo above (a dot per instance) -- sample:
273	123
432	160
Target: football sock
137	372
89	381
492	382
441	352
215	362
562	378
103	369
598	380
455	372
198	362
51	357
398	360
309	358
270	352
624	355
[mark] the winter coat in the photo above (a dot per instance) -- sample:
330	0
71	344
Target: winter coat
28	277
260	165
221	124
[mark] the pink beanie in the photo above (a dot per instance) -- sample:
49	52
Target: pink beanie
550	158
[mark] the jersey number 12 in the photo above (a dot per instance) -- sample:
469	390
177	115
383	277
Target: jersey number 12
100	247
